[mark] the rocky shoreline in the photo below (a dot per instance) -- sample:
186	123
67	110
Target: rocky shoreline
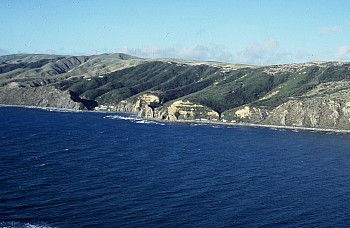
309	96
199	122
292	128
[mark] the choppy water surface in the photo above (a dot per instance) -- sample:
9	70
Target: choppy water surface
62	169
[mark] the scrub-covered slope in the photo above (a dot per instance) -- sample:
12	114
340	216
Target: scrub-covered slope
307	95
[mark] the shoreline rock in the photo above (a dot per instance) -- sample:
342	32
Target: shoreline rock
199	122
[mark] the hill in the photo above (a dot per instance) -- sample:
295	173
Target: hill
314	94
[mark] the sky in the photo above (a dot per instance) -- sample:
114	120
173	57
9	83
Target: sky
258	32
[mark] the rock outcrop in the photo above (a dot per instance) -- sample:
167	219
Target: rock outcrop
314	95
148	106
187	110
310	113
314	113
38	96
143	105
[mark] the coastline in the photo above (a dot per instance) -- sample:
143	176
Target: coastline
208	122
42	108
273	127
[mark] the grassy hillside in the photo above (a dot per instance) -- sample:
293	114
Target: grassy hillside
111	78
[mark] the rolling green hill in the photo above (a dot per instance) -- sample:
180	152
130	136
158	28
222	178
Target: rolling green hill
312	94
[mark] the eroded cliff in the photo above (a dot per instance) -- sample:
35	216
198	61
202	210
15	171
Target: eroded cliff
314	94
38	96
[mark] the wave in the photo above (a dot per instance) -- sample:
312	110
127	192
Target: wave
120	117
132	119
148	122
23	225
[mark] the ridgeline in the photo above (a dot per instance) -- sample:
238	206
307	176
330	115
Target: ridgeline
311	95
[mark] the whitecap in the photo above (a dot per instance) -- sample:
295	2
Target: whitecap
149	122
22	225
120	117
145	122
132	119
40	165
217	126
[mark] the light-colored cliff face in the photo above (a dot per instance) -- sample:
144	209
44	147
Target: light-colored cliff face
315	94
313	113
186	110
149	98
142	105
319	113
145	106
247	114
37	96
125	106
243	113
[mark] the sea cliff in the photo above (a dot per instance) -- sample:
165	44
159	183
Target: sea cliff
311	95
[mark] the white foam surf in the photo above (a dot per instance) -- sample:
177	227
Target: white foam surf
132	119
22	225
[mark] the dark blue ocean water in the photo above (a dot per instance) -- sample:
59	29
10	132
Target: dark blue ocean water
62	169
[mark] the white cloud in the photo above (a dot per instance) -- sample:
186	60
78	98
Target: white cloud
3	52
200	52
196	52
266	53
330	30
147	52
343	53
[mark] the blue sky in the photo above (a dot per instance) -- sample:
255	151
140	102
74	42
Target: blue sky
247	31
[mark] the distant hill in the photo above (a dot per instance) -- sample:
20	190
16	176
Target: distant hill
315	94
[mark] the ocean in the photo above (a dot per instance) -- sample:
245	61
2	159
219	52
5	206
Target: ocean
90	169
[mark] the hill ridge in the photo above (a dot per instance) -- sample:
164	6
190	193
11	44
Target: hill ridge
313	94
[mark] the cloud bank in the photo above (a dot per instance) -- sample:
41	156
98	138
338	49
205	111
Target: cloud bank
265	53
343	53
196	52
3	52
330	30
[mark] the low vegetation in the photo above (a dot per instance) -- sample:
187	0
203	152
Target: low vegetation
111	78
